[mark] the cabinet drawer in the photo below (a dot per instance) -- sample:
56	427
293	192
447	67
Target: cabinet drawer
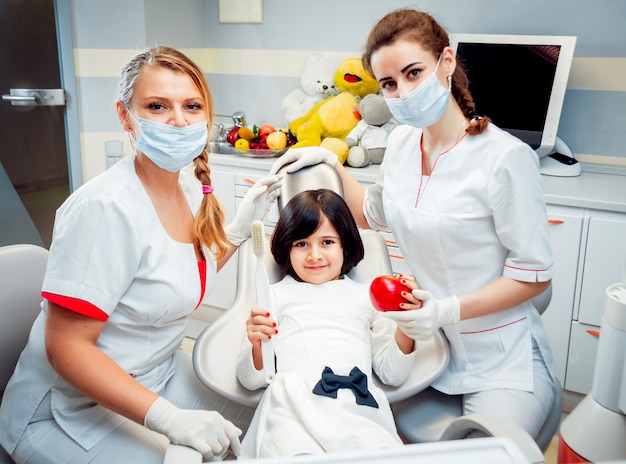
582	357
565	227
247	179
604	263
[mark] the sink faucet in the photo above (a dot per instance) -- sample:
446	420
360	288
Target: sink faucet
238	118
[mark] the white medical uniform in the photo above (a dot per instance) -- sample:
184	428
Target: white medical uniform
110	250
331	324
480	215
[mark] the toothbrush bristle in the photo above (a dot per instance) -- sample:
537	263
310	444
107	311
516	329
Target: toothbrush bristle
258	237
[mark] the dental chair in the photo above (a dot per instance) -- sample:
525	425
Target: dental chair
216	349
22	269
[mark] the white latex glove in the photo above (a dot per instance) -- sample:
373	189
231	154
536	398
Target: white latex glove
206	431
421	324
253	207
303	157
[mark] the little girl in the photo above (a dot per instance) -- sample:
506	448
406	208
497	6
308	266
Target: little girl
327	340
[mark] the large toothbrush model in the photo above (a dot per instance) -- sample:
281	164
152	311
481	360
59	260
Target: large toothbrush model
263	296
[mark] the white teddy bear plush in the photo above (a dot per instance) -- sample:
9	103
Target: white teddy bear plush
317	82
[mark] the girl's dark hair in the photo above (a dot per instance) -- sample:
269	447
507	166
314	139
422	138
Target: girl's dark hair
421	28
303	215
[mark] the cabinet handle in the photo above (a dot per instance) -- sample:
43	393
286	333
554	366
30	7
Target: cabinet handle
593	332
555	221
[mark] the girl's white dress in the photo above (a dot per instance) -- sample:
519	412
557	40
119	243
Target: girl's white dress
328	325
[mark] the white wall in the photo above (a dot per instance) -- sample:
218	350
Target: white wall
251	67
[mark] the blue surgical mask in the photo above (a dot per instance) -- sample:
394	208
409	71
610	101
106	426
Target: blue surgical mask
170	147
424	106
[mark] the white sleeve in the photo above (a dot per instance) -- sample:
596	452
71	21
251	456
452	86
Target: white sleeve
391	365
519	210
247	374
373	205
95	251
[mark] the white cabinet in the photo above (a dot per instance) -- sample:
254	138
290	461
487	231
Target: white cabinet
582	357
589	248
601	262
565	226
605	256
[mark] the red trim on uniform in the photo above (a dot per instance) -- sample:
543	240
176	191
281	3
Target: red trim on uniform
494	328
78	306
525	269
202	270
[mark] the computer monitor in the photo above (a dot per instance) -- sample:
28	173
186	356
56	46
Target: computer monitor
519	81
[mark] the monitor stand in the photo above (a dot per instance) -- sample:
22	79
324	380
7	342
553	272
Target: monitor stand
560	163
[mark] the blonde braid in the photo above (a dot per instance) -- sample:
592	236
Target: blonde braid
209	222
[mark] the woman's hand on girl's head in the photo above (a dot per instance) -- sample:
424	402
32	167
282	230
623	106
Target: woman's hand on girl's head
260	326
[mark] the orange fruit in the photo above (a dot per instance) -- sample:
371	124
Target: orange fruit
246	133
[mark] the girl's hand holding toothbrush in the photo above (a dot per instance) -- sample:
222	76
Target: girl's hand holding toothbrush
260	327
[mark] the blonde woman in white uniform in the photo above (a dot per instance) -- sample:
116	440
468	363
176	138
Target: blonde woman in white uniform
464	201
134	252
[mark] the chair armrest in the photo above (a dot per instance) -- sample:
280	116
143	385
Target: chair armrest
431	359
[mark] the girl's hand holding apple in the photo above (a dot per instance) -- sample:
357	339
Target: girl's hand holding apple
393	293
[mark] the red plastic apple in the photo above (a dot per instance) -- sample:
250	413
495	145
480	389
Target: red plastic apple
233	135
385	293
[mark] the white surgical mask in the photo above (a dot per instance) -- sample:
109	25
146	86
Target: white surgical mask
425	105
170	147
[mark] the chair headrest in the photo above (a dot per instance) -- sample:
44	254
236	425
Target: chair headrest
313	177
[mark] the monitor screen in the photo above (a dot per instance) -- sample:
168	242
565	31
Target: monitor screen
518	81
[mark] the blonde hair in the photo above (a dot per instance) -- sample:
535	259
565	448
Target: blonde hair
209	221
421	28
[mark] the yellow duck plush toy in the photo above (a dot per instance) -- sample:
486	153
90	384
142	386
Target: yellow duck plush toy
330	121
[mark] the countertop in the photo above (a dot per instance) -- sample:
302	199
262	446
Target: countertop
603	191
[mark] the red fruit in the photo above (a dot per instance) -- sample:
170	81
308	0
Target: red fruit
233	135
385	293
266	129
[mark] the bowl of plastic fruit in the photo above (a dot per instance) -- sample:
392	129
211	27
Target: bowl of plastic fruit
264	141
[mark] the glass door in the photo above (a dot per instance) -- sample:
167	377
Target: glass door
34	177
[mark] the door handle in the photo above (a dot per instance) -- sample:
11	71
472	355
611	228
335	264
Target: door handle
35	97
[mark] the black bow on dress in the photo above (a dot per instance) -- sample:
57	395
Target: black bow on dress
356	381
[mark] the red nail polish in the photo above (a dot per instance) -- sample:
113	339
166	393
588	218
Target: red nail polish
267	314
273	324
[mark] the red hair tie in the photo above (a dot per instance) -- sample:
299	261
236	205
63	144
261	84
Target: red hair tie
207	189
